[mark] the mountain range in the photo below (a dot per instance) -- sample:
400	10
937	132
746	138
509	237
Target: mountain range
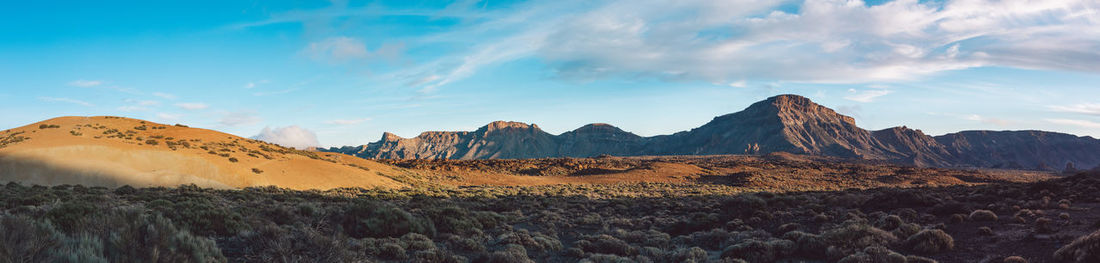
784	123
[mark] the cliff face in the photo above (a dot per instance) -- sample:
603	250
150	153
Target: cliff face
785	123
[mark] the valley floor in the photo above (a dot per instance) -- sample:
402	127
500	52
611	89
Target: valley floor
627	222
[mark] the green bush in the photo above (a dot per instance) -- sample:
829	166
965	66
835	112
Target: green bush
69	215
930	241
372	219
983	215
27	240
1083	249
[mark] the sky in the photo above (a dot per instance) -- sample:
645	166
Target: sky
334	73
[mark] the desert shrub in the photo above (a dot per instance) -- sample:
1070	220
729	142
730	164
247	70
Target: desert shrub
69	215
605	244
919	259
874	254
752	251
417	242
985	231
372	219
257	171
930	242
889	222
1043	225
693	223
650	238
23	239
906	230
713	239
536	240
605	258
460	243
510	254
859	236
807	245
983	215
693	254
1083	249
453	219
151	142
125	190
1015	259
130	235
957	218
233	159
272	243
201	216
393	252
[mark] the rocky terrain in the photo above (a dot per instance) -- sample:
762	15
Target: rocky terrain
785	123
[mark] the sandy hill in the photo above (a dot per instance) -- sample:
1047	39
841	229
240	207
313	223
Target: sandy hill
114	151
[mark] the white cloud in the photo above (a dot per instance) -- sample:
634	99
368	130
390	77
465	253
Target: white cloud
337	48
866	95
66	100
347	122
1084	108
739	84
192	106
290	136
85	83
825	41
253	84
164	95
239	119
1078	123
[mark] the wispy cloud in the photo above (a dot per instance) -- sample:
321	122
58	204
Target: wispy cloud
1078	123
192	106
825	41
1084	108
347	122
85	83
240	118
66	100
867	95
164	95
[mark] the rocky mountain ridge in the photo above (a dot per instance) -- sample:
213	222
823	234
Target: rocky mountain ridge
784	123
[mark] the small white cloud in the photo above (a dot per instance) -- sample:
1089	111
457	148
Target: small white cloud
192	106
866	95
739	84
85	83
290	136
66	100
983	119
337	48
239	119
253	84
1078	123
347	122
164	95
1084	108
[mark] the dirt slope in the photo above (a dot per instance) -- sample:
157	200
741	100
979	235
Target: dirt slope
114	151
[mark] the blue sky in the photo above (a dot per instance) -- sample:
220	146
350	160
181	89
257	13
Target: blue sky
342	72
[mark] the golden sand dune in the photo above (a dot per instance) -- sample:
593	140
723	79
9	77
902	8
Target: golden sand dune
115	151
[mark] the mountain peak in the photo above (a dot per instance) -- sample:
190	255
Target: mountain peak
501	125
797	106
390	137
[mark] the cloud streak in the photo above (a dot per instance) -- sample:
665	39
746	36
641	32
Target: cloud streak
825	41
1084	108
66	100
290	136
